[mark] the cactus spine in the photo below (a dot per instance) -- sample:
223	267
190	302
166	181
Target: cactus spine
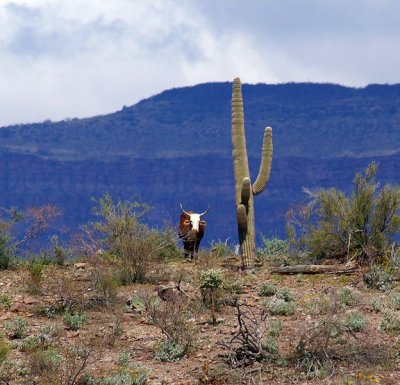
244	190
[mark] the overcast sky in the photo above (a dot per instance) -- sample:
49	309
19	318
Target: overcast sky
76	58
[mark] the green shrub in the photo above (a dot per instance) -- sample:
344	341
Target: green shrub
268	289
5	301
6	253
136	375
17	328
359	227
394	301
129	240
347	297
355	322
278	306
4	349
35	277
377	278
220	249
169	351
376	304
391	322
211	283
274	250
74	321
285	294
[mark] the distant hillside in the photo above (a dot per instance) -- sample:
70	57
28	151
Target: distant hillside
176	147
309	120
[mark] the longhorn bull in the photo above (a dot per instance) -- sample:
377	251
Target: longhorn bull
191	231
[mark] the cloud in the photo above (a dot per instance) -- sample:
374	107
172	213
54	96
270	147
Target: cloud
80	58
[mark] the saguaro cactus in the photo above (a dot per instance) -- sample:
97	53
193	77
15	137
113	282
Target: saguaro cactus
244	190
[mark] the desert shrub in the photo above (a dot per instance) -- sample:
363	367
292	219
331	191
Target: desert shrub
267	289
169	351
274	250
135	375
17	328
250	341
377	278
45	362
391	322
394	300
285	294
318	341
376	304
125	237
5	301
278	306
347	297
174	320
105	282
355	322
221	249
6	253
60	254
282	303
358	227
150	303
4	349
320	305
211	285
35	277
74	321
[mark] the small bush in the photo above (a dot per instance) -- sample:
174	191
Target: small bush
6	253
5	301
391	322
274	250
355	322
376	304
285	294
169	351
74	321
394	301
268	289
347	297
221	249
211	284
377	278
17	328
358	227
45	361
173	318
278	306
4	349
35	277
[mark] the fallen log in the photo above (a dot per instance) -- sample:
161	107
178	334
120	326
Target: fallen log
314	269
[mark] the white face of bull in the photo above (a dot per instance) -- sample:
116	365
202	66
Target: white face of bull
195	221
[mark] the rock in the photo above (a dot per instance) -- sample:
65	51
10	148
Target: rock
127	317
18	307
72	334
30	300
80	265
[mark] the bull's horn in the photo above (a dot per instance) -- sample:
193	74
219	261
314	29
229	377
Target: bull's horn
205	212
180	204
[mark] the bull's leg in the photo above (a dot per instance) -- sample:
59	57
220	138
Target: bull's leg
186	250
196	249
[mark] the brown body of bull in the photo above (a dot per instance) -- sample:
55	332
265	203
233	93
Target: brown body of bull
191	238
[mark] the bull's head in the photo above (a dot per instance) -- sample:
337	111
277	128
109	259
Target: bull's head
194	218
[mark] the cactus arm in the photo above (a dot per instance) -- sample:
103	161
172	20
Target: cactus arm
265	165
245	191
242	220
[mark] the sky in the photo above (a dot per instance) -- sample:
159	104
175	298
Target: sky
62	59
